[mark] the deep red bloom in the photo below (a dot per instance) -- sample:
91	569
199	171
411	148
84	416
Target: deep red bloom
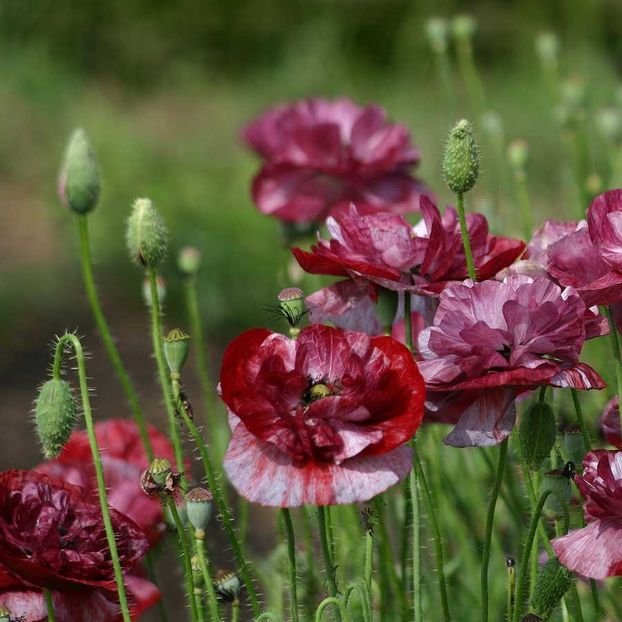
596	550
320	155
51	537
610	422
387	250
322	419
123	459
492	339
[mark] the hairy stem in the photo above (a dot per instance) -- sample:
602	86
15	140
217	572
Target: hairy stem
466	242
49	605
291	558
212	599
326	553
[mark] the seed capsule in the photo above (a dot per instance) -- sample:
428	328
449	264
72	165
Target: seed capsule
199	504
227	585
176	346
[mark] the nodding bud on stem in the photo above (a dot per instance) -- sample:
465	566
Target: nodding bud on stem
537	434
55	416
461	160
78	184
437	30
146	234
189	260
176	346
227	585
552	582
199	503
386	307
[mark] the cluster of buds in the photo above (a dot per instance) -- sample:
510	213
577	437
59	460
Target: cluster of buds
159	479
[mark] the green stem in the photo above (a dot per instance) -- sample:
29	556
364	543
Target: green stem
151	575
466	242
369	559
584	431
156	337
576	602
510	595
235	611
291	556
416	540
212	599
490	519
104	330
364	596
470	76
49	605
615	346
524	563
326	553
443	67
331	600
99	471
524	202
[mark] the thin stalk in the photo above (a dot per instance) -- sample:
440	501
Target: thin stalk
511	591
212	599
584	431
576	602
106	336
311	582
156	337
470	76
326	553
490	519
524	562
235	611
364	597
291	557
416	541
443	68
466	242
615	346
181	532
332	600
97	463
533	501
49	605
369	559
524	202
151	575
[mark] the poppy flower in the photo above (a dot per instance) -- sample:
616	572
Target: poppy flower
386	249
595	551
124	459
320	155
321	419
610	422
51	537
493	339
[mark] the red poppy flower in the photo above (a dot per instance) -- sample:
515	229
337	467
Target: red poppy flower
596	550
123	459
610	422
51	537
320	155
322	419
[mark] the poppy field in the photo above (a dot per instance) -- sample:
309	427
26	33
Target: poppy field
384	387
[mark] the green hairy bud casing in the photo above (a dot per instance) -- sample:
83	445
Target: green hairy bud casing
537	434
552	582
146	234
461	159
79	183
55	416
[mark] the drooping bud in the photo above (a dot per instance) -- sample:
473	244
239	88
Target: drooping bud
461	160
292	306
437	31
537	434
176	346
189	260
227	585
558	482
386	307
574	444
55	416
552	582
547	48
146	234
78	184
199	504
161	288
463	27
518	154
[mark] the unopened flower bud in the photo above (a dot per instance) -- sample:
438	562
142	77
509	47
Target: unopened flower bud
437	30
227	585
547	48
537	434
161	288
176	346
552	582
79	185
55	416
386	307
189	260
558	482
518	154
461	160
199	504
146	234
574	444
463	27
292	305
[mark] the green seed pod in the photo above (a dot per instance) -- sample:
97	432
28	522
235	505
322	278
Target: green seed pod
537	434
199	504
79	185
463	27
227	585
386	307
292	305
461	160
55	416
574	444
558	482
146	234
437	31
160	469
176	346
189	260
552	582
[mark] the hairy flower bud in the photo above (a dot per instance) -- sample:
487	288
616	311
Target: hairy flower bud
552	582
574	444
463	27
437	30
227	585
55	416
461	160
176	346
79	185
146	234
558	482
199	504
537	434
189	260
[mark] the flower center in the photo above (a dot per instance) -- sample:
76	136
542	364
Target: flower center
317	392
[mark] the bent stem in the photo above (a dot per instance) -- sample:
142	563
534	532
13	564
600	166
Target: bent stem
104	330
49	605
291	556
332	600
74	342
464	232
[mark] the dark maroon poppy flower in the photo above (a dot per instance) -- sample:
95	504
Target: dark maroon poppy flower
322	419
320	155
493	339
123	459
51	537
387	250
596	550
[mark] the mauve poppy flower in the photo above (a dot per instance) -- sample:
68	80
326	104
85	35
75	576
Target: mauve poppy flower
319	155
610	422
493	339
596	550
51	537
123	459
322	419
604	218
386	249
